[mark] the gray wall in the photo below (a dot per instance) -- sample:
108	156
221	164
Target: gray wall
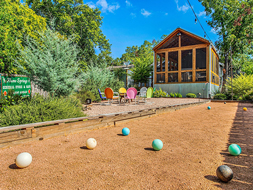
189	88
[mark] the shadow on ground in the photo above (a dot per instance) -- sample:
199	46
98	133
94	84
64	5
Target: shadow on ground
242	134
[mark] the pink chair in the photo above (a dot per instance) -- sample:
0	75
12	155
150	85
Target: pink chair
131	94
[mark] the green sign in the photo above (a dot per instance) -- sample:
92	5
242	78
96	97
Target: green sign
20	85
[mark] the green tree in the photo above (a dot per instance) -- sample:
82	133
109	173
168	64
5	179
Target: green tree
73	17
100	77
16	20
233	22
142	69
244	62
51	64
142	59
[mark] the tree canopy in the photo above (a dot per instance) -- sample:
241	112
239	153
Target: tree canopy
73	17
233	22
142	59
16	21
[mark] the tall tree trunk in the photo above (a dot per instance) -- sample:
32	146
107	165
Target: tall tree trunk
225	74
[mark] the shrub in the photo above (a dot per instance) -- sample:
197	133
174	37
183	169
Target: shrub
9	100
39	109
83	95
220	96
247	96
159	93
52	63
172	95
178	95
191	95
241	84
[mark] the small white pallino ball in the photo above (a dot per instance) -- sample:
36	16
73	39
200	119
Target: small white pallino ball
91	143
23	160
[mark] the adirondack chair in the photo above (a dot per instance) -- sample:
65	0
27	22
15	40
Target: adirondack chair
110	95
131	94
142	94
101	95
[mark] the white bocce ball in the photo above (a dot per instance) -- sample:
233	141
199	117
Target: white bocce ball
23	160
91	143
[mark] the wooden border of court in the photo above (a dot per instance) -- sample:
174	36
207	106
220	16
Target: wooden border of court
18	134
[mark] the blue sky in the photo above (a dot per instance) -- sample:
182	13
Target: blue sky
127	22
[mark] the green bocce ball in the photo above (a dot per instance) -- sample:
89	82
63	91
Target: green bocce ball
157	144
234	149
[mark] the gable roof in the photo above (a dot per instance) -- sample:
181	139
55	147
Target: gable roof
175	32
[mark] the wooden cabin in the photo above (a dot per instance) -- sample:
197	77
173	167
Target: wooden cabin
186	63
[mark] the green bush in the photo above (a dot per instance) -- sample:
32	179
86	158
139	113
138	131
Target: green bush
191	95
241	85
220	96
178	95
172	95
83	95
9	100
159	93
247	96
39	109
229	97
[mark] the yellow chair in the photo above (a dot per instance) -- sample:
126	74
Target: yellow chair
122	93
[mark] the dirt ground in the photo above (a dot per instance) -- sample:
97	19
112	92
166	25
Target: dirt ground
195	144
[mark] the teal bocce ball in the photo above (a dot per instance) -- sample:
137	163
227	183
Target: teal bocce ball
224	102
157	144
125	131
234	149
224	173
209	107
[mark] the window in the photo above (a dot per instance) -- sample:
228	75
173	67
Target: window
200	76
173	61
201	58
173	77
160	78
186	60
160	61
186	77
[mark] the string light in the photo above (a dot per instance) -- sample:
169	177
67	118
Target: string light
196	19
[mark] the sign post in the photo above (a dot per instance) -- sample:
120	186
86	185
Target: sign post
20	85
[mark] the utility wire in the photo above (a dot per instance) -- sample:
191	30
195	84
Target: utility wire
199	21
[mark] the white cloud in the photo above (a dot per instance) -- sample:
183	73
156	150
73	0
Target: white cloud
166	14
213	30
106	7
91	5
203	13
145	13
112	8
133	15
128	3
183	8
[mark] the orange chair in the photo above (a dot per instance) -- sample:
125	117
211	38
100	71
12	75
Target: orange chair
110	95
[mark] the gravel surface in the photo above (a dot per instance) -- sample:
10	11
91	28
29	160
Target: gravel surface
98	109
195	142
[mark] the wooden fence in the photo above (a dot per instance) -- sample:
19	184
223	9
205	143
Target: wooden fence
18	134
